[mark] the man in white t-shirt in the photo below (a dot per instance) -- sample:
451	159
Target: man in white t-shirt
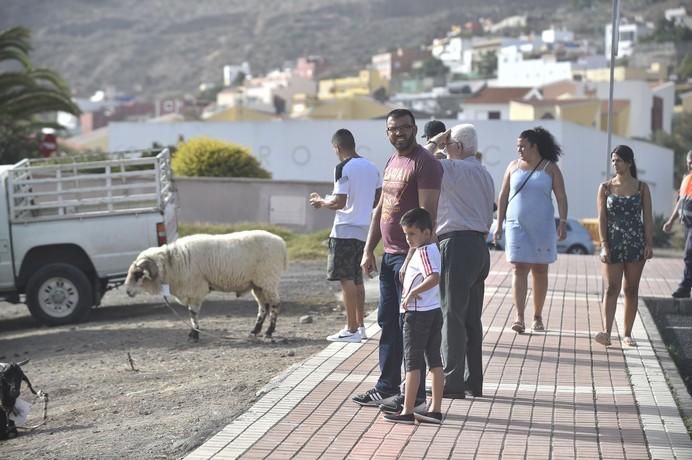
357	187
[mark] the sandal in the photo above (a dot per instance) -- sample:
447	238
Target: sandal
518	327
538	325
603	338
629	342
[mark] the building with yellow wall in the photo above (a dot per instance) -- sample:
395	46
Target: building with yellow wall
364	84
584	112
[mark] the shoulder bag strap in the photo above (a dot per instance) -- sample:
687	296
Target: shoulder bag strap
525	181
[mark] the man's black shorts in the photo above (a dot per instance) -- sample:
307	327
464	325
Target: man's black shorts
343	262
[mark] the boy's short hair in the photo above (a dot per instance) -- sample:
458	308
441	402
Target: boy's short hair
417	217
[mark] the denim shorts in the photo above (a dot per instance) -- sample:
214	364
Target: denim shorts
343	261
422	339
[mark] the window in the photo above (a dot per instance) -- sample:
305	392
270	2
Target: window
494	115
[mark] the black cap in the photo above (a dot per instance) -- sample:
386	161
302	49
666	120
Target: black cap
432	128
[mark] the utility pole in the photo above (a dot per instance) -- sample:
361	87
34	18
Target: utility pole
614	39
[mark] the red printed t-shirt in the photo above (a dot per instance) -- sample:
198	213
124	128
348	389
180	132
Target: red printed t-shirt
403	177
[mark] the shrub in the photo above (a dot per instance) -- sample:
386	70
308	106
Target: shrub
661	239
203	156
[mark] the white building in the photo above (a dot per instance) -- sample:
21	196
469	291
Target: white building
456	53
231	72
651	104
259	92
514	70
678	16
301	150
629	35
553	35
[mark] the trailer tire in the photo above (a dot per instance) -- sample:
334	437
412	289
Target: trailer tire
59	294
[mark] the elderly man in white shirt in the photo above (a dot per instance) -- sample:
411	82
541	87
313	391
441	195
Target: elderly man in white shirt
464	216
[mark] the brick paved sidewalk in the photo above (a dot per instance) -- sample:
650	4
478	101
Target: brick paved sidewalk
556	394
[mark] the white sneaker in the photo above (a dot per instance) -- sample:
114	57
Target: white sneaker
345	336
363	334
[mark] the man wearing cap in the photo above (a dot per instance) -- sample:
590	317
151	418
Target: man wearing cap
430	130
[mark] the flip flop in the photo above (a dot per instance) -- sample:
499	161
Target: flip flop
538	325
518	327
629	342
602	338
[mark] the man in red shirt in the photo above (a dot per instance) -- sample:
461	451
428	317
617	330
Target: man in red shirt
683	209
411	179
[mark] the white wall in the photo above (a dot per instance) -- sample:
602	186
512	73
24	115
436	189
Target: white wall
474	112
301	150
531	72
666	91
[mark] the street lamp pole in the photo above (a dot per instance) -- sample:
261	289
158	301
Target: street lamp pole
614	38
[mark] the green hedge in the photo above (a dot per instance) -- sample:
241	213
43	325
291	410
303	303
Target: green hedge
207	157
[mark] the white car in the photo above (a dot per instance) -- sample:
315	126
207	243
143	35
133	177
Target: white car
578	239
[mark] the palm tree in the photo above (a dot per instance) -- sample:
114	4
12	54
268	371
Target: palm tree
26	93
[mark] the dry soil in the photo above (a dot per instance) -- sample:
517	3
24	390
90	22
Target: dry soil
176	394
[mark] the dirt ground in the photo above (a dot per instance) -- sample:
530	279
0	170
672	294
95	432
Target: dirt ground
181	393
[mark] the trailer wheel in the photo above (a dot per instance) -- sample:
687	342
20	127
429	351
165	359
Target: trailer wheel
59	294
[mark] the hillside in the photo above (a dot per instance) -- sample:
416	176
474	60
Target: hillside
160	46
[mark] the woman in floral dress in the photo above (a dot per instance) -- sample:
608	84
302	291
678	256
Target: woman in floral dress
625	225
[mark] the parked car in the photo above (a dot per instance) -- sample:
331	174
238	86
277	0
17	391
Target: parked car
578	239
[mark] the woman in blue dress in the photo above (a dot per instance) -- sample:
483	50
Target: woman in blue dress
625	225
526	215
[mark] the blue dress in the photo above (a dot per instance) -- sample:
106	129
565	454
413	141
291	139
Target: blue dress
530	234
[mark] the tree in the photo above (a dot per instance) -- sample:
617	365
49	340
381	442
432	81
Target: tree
684	70
680	141
487	65
668	31
25	93
434	67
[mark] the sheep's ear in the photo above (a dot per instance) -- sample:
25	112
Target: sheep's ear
21	363
149	269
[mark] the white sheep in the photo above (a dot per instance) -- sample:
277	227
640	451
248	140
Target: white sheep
194	265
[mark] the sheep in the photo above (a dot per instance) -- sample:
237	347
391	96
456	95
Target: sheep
11	378
192	266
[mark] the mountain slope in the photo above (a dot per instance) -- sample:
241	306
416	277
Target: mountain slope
159	46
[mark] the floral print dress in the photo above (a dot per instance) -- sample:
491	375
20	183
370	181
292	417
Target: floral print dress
625	227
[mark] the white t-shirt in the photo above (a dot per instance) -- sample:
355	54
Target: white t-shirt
425	260
358	179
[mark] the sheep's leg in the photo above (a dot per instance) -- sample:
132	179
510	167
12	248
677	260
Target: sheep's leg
262	311
268	297
194	311
272	320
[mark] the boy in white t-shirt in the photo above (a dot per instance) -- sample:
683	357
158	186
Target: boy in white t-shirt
421	317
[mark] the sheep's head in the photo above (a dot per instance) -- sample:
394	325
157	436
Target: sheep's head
11	376
143	276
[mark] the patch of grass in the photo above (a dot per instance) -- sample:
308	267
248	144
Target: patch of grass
308	246
300	246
